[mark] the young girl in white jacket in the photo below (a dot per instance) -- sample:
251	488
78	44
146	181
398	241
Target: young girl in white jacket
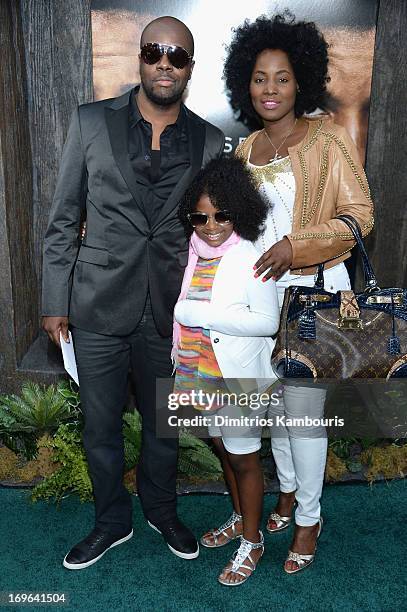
223	322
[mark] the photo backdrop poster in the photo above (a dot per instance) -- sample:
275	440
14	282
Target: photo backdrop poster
348	25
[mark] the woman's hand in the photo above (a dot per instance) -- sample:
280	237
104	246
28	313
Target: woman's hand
277	260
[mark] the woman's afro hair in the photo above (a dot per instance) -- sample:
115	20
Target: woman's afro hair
230	186
307	51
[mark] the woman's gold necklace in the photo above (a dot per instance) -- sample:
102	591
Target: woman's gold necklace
276	149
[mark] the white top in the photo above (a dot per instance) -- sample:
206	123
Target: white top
277	186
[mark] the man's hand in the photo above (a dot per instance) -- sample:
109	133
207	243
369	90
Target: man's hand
277	260
54	325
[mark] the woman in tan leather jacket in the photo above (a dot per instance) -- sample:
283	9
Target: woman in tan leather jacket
308	171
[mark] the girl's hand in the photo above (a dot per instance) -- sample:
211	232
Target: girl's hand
192	313
276	261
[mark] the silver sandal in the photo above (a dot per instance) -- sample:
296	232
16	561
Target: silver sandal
302	561
215	533
282	522
240	556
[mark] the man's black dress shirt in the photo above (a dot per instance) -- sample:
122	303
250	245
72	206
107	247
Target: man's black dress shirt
158	172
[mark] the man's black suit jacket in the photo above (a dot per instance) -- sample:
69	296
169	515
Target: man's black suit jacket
102	284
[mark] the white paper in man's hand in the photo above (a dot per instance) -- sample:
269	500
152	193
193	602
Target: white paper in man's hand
68	355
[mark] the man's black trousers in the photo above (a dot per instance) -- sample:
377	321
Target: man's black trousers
103	365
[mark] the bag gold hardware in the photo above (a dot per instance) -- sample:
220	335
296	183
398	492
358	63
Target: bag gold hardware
385	299
314	297
350	323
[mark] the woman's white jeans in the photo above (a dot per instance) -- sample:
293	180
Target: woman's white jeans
300	452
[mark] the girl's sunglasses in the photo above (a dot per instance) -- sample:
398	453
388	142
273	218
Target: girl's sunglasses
199	219
151	53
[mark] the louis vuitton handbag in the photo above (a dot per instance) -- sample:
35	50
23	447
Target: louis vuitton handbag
343	335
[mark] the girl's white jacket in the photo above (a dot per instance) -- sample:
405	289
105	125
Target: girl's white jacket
241	316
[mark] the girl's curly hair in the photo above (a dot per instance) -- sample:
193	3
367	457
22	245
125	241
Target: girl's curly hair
307	51
230	186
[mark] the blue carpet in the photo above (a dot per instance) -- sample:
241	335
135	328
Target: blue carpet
360	563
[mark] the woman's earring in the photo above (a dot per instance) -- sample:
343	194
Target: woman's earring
298	88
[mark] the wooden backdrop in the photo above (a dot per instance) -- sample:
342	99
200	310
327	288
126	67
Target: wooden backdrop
46	69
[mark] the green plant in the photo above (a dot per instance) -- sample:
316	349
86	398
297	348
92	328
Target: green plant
70	395
39	410
347	448
72	475
350	449
368	442
24	443
400	442
132	438
196	459
341	447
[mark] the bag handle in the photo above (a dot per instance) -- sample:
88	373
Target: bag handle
370	277
319	277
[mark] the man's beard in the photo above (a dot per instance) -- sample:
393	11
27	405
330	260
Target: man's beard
163	100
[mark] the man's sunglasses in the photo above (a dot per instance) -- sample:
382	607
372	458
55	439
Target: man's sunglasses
151	53
199	219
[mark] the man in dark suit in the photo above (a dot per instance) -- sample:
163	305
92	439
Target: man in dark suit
126	162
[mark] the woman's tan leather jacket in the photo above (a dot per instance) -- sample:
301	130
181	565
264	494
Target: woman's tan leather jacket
330	181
